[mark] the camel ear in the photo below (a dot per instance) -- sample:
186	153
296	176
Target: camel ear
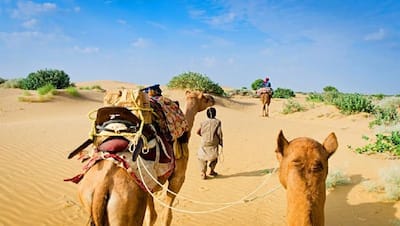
330	144
282	145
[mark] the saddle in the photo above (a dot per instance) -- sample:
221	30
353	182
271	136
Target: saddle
119	135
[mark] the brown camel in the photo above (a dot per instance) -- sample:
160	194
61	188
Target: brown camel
303	170
110	195
265	101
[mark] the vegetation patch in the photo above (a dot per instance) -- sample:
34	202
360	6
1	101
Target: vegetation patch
283	93
292	106
195	81
385	143
59	79
335	178
72	91
388	183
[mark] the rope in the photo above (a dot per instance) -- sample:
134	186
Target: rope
227	204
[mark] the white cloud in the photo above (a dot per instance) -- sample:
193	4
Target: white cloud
141	43
86	50
209	61
29	9
19	39
196	13
376	36
121	21
157	25
31	23
222	19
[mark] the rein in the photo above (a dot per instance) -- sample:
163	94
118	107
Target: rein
226	205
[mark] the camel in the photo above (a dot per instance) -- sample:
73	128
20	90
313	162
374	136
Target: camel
110	195
265	101
303	171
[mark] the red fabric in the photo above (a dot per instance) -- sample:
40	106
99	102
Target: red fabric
114	145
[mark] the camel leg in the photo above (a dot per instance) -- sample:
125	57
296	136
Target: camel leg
267	111
263	111
175	185
151	214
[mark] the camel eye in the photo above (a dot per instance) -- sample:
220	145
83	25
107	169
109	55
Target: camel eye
317	167
298	163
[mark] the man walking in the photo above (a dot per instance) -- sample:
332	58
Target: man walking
211	136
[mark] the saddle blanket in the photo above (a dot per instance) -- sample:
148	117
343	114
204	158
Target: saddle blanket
264	90
142	172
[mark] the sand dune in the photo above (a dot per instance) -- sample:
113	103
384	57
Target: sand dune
37	137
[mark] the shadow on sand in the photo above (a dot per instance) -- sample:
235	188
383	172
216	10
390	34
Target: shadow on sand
339	212
255	173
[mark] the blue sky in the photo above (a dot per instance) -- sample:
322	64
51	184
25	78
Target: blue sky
301	45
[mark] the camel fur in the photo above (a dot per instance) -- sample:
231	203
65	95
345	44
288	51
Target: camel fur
303	171
265	101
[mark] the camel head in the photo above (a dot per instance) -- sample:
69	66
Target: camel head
303	171
198	100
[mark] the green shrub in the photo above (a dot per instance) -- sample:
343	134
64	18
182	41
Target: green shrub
59	79
72	91
12	83
353	103
384	144
385	116
257	84
330	89
292	106
2	80
315	97
49	88
283	93
195	81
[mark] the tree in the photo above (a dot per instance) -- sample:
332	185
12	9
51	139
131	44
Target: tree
59	79
257	84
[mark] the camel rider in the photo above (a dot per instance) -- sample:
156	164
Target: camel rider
211	136
267	84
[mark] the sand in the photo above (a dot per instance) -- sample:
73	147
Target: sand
37	137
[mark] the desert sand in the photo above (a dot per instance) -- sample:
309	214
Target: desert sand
37	137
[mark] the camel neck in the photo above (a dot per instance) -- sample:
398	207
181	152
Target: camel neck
190	113
302	212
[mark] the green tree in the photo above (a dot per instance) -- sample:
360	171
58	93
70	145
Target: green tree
257	84
59	79
330	89
195	81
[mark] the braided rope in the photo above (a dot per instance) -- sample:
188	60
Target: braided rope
244	199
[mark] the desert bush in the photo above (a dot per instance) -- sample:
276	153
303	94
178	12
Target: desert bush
258	83
283	93
315	97
391	182
292	106
353	103
2	80
330	89
94	87
59	79
12	83
385	116
195	81
384	144
49	88
335	178
72	91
